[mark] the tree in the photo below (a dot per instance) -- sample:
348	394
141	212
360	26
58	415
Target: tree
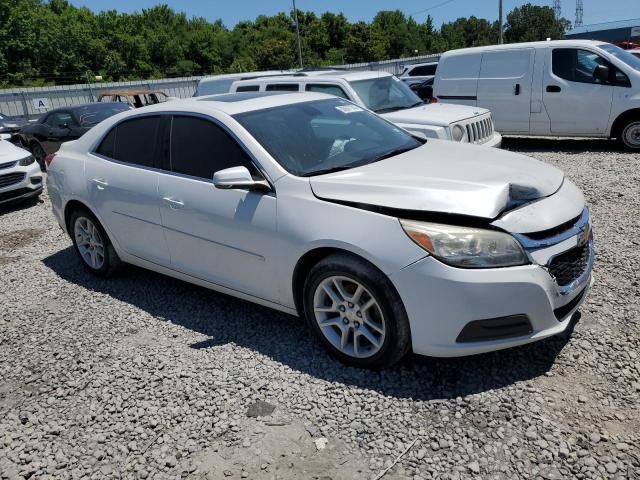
531	23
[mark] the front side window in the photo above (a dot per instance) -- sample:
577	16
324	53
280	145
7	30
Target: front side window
135	141
329	135
248	88
385	94
578	65
282	87
328	89
199	148
60	119
423	70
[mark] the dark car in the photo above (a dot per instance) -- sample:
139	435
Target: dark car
424	90
11	125
64	124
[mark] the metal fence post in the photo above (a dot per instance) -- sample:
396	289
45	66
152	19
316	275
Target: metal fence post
25	105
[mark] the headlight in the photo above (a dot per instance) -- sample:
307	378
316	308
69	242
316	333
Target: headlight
466	247
23	162
458	133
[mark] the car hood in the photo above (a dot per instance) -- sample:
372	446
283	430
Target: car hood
444	177
440	114
9	152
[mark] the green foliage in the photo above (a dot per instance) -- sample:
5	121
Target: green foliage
53	42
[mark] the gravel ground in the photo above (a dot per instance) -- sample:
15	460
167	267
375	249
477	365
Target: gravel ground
144	376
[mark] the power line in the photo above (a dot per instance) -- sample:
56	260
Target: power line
431	8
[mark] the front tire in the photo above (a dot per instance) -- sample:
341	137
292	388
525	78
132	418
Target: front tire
39	154
355	311
92	244
629	136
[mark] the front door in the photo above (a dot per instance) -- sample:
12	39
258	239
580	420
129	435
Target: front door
122	182
504	87
576	102
222	236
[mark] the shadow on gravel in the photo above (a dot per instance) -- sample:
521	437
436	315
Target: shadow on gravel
285	339
559	145
11	207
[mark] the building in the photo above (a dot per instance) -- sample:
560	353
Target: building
625	33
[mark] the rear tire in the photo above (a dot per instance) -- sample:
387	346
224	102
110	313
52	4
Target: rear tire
92	244
39	154
629	136
355	311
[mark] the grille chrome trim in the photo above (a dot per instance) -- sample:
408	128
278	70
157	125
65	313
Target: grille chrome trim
11	179
6	165
579	227
479	130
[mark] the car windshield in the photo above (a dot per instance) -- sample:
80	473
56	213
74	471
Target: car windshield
324	136
622	55
93	114
385	94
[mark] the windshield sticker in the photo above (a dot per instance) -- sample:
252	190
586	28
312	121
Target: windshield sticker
348	108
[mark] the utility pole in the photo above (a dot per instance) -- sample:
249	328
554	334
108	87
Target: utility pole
579	11
557	9
295	16
500	24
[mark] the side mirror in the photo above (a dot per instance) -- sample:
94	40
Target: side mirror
238	178
601	73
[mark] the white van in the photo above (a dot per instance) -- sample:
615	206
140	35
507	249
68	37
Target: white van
220	83
390	98
555	88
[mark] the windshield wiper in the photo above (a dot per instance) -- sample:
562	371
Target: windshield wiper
328	170
390	109
393	153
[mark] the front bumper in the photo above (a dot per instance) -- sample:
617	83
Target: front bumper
441	300
494	140
30	186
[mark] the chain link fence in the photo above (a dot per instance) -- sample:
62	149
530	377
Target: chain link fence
33	101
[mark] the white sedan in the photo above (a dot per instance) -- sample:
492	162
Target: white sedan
20	175
314	206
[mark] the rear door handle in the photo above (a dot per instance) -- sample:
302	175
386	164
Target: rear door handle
553	88
517	91
173	203
100	183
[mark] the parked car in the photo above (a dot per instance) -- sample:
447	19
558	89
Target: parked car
135	98
20	176
425	90
418	72
62	125
384	94
216	84
578	88
314	206
11	125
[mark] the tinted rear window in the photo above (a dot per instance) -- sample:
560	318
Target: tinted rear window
282	87
134	141
248	88
423	70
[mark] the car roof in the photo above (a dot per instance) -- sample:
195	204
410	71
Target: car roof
515	46
232	104
227	76
318	76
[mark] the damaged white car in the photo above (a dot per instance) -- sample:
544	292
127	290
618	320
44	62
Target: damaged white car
314	206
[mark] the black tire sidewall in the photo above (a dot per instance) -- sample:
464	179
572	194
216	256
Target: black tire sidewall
621	138
105	270
397	337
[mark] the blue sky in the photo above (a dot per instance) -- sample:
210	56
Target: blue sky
231	12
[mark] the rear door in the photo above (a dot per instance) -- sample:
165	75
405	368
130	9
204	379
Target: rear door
504	87
222	236
576	102
122	181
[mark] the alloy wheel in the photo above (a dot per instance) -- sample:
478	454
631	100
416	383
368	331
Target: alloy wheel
89	242
349	316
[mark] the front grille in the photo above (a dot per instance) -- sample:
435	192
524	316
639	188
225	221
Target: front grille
561	312
11	179
552	232
569	265
6	165
479	131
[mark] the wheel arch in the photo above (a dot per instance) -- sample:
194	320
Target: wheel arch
619	122
73	205
312	257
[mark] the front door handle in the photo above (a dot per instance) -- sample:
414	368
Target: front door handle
173	203
517	90
100	183
553	88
